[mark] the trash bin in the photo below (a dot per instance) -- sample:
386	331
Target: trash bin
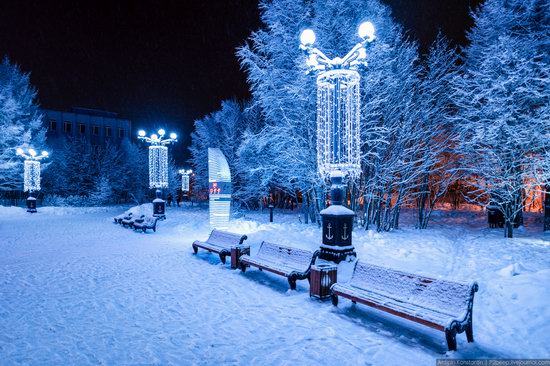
321	277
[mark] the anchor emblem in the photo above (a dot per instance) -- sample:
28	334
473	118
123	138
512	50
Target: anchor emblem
329	235
345	236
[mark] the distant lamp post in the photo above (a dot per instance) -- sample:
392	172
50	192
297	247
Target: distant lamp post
185	180
158	166
31	175
338	133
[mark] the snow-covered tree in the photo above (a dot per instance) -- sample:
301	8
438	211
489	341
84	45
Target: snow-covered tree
437	162
502	101
20	123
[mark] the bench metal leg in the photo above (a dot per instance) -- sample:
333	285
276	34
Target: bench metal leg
243	267
334	299
470	332
292	282
450	335
195	248
222	258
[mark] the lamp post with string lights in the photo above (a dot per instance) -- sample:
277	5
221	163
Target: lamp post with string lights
31	174
338	133
158	166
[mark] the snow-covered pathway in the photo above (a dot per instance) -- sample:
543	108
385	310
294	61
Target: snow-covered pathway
77	289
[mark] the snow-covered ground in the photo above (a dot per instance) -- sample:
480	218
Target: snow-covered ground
77	289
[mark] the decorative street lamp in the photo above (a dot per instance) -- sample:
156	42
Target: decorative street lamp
185	179
158	166
31	175
338	133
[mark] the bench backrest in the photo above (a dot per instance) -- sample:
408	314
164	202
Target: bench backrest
223	238
149	220
293	257
448	297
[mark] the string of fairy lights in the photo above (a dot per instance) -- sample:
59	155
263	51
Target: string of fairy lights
338	103
31	175
158	157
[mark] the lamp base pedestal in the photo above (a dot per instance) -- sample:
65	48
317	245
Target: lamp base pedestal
159	206
337	226
31	204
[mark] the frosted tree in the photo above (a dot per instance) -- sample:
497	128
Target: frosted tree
287	97
20	123
437	162
102	194
502	99
221	129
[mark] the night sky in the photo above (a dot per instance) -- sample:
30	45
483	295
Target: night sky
161	63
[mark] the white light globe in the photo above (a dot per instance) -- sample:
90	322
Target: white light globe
366	30
307	37
19	151
154	136
32	152
173	136
162	132
141	133
45	153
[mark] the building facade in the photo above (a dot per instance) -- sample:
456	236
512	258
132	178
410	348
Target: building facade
98	127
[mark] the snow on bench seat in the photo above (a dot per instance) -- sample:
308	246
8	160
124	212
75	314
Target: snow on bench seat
293	263
126	215
220	242
440	304
148	222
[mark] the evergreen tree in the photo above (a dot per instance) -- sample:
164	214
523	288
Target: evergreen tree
20	123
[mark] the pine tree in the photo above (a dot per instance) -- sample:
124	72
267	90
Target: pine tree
20	123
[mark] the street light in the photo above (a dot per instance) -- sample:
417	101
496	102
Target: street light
185	173
338	133
31	174
158	166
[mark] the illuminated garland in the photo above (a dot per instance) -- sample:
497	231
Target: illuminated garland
185	183
158	166
31	176
338	129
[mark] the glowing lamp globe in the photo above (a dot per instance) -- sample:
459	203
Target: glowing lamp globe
141	133
45	153
154	136
366	30
173	136
32	152
307	37
19	151
162	132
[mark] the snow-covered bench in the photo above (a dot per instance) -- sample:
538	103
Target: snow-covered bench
293	263
220	242
148	222
126	215
439	304
129	221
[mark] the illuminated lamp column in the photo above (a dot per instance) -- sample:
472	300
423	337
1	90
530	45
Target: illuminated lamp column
219	189
31	175
185	181
338	135
158	167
